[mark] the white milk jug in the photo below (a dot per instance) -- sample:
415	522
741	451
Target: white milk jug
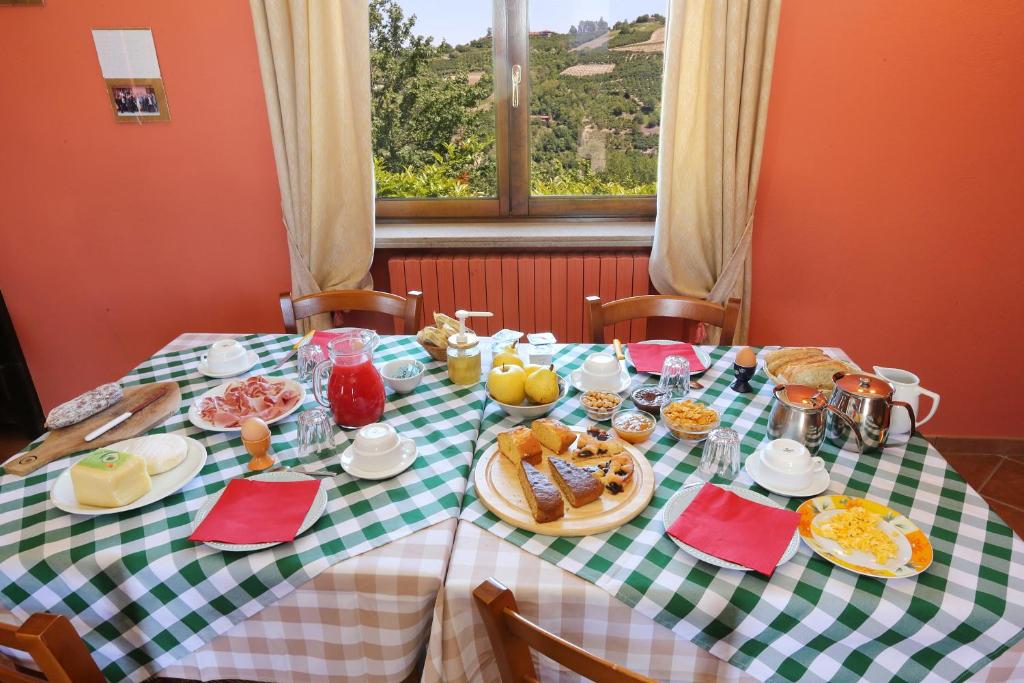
908	388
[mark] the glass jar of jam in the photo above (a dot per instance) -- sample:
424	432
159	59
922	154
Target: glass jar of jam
650	399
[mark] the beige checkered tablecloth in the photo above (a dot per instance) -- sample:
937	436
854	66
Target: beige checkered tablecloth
366	618
582	613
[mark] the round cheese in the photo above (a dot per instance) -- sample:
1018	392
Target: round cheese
161	452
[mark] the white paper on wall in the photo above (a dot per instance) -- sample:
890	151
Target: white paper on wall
126	53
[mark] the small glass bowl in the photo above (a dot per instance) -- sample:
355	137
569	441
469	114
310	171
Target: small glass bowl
691	434
641	394
633	435
600	414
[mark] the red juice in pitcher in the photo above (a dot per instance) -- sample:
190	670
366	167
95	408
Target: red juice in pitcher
356	394
355	389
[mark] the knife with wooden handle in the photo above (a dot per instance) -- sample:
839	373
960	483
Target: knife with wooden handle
106	427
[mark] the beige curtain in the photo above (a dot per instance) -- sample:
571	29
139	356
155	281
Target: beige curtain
718	72
315	63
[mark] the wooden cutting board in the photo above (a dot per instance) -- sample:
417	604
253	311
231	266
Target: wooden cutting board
68	440
497	486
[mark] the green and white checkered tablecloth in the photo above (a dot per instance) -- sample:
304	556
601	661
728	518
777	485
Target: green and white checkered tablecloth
143	596
810	620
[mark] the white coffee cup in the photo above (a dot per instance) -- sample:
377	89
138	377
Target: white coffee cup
787	464
376	447
908	389
601	372
226	355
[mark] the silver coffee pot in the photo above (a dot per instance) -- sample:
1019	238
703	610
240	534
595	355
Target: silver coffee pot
801	413
866	400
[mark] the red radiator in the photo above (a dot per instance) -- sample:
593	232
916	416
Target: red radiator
531	292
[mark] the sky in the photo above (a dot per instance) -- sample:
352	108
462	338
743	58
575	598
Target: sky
460	21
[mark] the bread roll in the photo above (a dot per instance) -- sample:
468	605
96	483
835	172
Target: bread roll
813	374
774	360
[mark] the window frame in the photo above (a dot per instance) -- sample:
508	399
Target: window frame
511	45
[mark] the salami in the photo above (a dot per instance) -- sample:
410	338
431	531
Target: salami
86	405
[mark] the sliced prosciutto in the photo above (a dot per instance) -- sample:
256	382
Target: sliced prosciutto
252	397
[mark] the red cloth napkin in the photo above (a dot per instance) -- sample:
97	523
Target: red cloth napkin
251	511
650	357
735	529
323	338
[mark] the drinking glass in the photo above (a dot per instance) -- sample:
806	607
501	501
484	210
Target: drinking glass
309	356
675	377
721	453
316	432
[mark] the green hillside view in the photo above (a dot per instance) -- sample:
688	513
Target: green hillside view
594	109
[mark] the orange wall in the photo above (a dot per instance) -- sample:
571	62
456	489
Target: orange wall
891	205
889	214
114	238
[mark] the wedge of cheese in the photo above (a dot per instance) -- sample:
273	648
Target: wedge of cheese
162	452
110	479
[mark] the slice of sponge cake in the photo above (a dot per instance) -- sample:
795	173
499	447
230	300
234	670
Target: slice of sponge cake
553	434
541	495
520	444
577	484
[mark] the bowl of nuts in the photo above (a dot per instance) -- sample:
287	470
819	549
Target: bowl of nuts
689	421
600	404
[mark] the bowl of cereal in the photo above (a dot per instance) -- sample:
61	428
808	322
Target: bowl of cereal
633	426
600	404
689	421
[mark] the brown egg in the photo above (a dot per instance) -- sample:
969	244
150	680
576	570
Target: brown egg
746	357
254	429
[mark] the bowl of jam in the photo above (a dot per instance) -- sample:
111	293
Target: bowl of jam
650	399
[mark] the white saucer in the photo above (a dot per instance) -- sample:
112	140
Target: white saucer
251	356
819	481
576	379
408	447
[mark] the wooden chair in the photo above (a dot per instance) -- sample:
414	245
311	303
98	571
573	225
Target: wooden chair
57	650
512	636
407	309
662	306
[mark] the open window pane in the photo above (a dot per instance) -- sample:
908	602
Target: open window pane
432	86
595	96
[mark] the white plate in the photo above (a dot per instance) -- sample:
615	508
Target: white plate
679	502
408	447
819	480
251	356
316	510
701	354
576	379
63	492
195	418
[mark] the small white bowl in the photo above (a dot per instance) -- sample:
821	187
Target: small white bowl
402	385
528	411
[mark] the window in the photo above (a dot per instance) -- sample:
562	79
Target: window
516	109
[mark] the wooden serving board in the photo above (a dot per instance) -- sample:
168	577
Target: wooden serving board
497	485
68	440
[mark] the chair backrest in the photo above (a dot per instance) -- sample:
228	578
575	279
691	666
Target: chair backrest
407	309
56	649
662	306
512	636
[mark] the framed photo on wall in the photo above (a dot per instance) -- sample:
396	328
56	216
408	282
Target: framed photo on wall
137	100
131	72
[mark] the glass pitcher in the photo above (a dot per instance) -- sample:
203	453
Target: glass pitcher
355	389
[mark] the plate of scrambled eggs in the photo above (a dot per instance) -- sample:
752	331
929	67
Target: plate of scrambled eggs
864	536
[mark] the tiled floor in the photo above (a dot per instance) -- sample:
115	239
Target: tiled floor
998	478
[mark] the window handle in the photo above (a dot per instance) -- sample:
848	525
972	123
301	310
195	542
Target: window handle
517	77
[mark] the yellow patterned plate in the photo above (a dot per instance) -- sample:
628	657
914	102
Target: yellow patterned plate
913	549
